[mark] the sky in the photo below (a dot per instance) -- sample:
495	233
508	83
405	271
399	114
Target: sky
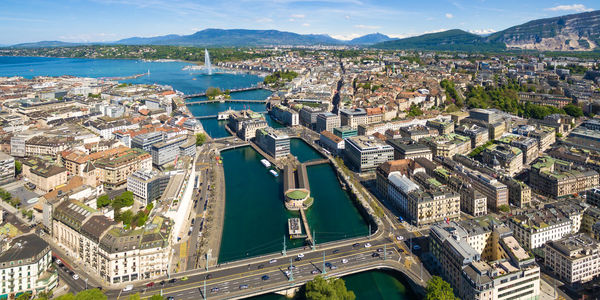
110	20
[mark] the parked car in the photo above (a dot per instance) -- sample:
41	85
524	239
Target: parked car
214	290
150	284
399	238
314	272
301	255
75	276
128	288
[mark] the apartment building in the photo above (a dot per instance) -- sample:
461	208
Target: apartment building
574	259
285	115
479	135
442	126
433	203
114	169
495	191
557	178
534	228
448	145
505	157
46	145
45	175
365	153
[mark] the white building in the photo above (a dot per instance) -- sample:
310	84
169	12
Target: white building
574	258
365	153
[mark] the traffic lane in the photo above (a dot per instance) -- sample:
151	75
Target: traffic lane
222	279
300	272
66	277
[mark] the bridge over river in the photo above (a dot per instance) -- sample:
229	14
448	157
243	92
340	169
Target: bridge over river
260	86
267	274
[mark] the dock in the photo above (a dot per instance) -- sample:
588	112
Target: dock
309	238
268	157
295	229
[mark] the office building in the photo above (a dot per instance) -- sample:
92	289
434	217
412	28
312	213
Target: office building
345	132
308	115
573	259
557	178
505	157
327	121
146	140
273	142
479	135
7	168
114	169
353	117
442	126
365	153
285	115
448	145
331	142
166	152
147	186
405	148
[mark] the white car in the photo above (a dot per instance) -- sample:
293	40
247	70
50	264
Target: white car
367	245
272	261
128	288
75	276
300	255
344	261
399	238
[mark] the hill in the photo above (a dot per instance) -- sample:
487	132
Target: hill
370	39
450	40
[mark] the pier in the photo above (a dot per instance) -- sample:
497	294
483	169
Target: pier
309	238
315	162
268	157
251	88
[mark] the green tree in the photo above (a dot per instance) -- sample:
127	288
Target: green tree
328	289
504	208
18	167
67	296
414	111
157	297
24	296
573	110
200	139
126	217
123	200
93	294
103	201
44	295
135	296
438	289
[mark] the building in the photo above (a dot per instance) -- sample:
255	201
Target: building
327	121
417	132
331	142
485	115
591	216
365	153
481	259
345	132
519	194
544	99
114	169
26	265
442	126
434	203
43	174
146	140
502	156
405	148
168	151
285	115
245	123
106	128
472	202
559	178
401	168
593	196
545	136
7	168
17	146
495	191
528	145
45	145
534	228
448	145
273	142
353	117
479	135
308	115
147	186
574	259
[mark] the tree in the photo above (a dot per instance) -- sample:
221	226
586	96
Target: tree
24	296
126	217
438	289
67	296
93	294
200	139
123	200
504	208
573	110
43	295
333	288
157	297
18	167
102	201
135	296
414	111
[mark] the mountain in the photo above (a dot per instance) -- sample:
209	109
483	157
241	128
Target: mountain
235	37
450	40
370	39
46	44
578	32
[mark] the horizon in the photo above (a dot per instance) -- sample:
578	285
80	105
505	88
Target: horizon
105	21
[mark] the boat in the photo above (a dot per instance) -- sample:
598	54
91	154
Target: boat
274	173
265	163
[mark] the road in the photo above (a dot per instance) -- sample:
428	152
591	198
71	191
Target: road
245	279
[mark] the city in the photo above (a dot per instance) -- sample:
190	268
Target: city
266	164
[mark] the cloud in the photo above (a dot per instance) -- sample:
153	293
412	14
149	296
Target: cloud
264	20
345	37
298	16
571	7
347	17
482	31
305	24
367	26
449	16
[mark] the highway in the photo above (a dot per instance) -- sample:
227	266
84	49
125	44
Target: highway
247	278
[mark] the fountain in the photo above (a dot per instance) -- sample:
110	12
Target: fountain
207	64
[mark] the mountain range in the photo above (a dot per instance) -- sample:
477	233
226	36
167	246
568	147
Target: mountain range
576	32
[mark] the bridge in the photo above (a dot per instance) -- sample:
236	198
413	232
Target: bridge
314	162
225	100
246	278
251	88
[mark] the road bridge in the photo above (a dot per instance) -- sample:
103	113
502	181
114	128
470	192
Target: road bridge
226	101
251	88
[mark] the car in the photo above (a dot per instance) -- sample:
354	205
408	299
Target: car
287	273
173	280
59	262
75	276
208	276
71	273
344	261
301	255
128	288
272	261
184	278
243	286
367	245
375	254
170	298
189	233
355	245
379	249
193	220
314	272
150	284
214	290
162	282
400	238
401	250
328	265
260	266
333	267
292	267
298	259
265	277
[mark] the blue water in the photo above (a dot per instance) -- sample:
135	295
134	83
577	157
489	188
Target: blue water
168	73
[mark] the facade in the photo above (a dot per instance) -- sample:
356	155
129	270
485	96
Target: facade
442	126
105	129
273	142
308	115
574	259
147	186
495	191
345	132
17	146
479	135
519	194
26	266
409	149
545	136
558	178
115	169
417	132
43	174
327	121
44	145
285	115
434	203
505	157
448	145
7	168
245	123
353	117
366	153
146	140
534	228
332	142
166	152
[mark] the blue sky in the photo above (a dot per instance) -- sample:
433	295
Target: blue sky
110	20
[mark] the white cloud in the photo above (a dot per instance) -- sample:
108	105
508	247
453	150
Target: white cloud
449	16
482	31
346	37
571	7
367	26
264	20
306	24
347	17
298	16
